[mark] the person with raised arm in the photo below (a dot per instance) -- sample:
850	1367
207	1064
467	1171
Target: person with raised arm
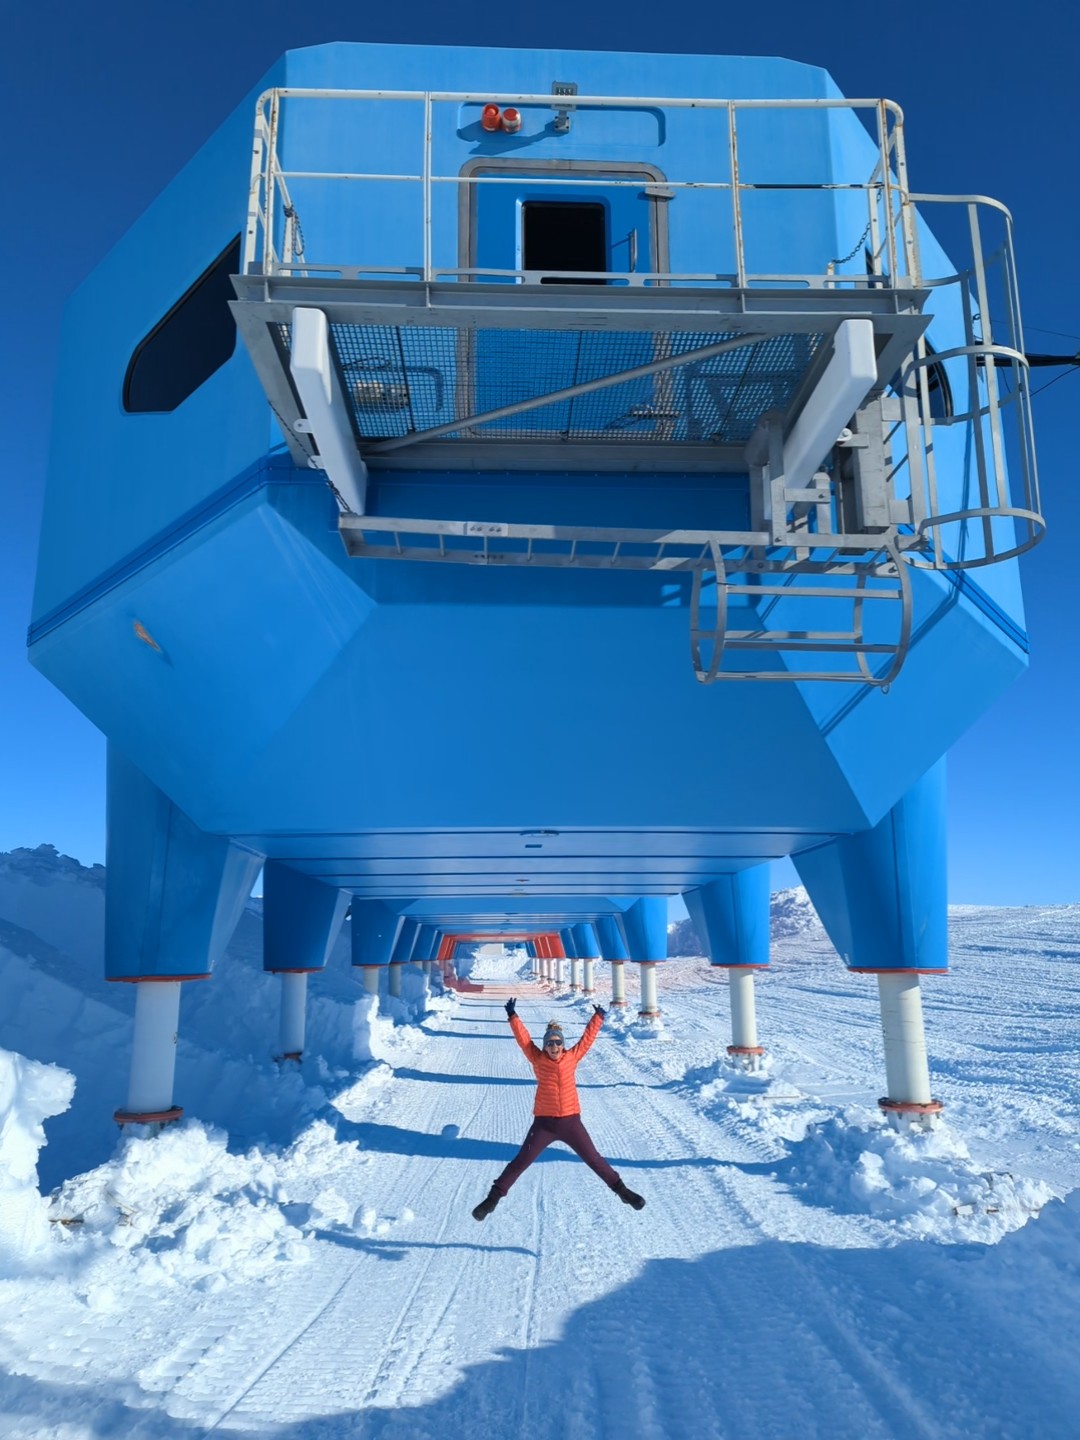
557	1109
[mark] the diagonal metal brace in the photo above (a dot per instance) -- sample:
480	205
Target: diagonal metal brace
671	362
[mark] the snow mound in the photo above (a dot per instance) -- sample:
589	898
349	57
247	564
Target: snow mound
29	1093
922	1180
728	1083
183	1209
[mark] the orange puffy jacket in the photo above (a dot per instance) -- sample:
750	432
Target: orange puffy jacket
556	1092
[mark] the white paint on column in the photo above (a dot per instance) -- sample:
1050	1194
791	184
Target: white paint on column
649	1004
153	1050
293	1014
558	971
907	1072
589	983
394	980
575	974
743	1014
618	984
370	978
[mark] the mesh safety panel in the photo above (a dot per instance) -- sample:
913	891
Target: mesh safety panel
399	380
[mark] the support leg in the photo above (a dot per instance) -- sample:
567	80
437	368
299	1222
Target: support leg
589	984
618	985
293	1015
744	1039
393	980
153	1055
907	1072
650	1008
575	974
369	975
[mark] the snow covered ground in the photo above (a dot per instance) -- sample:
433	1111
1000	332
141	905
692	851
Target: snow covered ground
297	1257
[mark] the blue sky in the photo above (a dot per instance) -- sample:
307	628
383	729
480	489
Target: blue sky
109	101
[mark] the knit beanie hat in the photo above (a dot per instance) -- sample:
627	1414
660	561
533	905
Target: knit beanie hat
552	1028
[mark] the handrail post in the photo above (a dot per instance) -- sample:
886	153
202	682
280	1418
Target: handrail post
269	250
736	199
886	189
427	187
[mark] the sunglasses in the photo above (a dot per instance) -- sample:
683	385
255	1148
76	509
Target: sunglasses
554	1041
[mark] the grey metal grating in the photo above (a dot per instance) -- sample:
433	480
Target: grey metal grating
400	380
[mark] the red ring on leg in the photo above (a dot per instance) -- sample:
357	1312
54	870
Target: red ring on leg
148	1117
910	1107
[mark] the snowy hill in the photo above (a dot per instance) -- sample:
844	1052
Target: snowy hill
297	1257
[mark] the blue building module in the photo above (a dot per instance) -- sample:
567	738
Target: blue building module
510	488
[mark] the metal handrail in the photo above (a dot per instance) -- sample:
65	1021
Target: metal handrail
268	177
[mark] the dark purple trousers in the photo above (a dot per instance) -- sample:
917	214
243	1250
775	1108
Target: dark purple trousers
546	1129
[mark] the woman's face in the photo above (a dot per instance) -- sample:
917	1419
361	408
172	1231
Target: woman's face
553	1046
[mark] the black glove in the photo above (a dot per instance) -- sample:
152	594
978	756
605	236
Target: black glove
511	1007
599	1010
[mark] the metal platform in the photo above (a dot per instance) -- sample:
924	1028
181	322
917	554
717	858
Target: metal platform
643	379
819	388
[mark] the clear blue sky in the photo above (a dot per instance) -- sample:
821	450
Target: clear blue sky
101	105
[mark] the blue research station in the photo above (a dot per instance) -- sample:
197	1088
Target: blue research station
497	491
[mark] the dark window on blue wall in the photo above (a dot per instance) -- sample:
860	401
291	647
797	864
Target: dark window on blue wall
184	349
564	235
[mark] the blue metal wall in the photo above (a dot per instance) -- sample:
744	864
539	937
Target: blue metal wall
395	729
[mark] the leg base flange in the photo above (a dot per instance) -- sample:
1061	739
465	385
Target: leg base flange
746	1050
148	1117
910	1107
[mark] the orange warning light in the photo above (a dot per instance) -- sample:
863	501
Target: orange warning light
511	120
489	117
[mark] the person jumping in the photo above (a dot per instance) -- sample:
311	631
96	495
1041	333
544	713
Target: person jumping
557	1110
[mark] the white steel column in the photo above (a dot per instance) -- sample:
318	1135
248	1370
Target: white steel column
907	1073
293	1014
618	985
743	1012
649	1006
394	979
153	1053
559	982
589	983
575	974
370	978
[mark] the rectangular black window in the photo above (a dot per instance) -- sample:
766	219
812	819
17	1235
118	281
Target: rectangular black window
188	344
564	235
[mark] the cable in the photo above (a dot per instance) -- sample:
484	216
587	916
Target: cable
1049	383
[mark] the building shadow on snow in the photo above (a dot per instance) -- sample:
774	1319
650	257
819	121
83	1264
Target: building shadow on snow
772	1339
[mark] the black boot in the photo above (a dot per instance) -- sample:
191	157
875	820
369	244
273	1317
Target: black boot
486	1206
627	1197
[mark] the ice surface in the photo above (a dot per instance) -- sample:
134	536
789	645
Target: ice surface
296	1258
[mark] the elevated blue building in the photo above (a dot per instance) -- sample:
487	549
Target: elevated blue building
501	490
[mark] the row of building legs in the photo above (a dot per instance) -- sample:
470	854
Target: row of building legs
174	895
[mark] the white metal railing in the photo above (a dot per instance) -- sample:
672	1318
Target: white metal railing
270	239
976	330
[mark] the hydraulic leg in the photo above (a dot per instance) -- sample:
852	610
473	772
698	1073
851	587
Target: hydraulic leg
618	984
153	1055
650	1008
